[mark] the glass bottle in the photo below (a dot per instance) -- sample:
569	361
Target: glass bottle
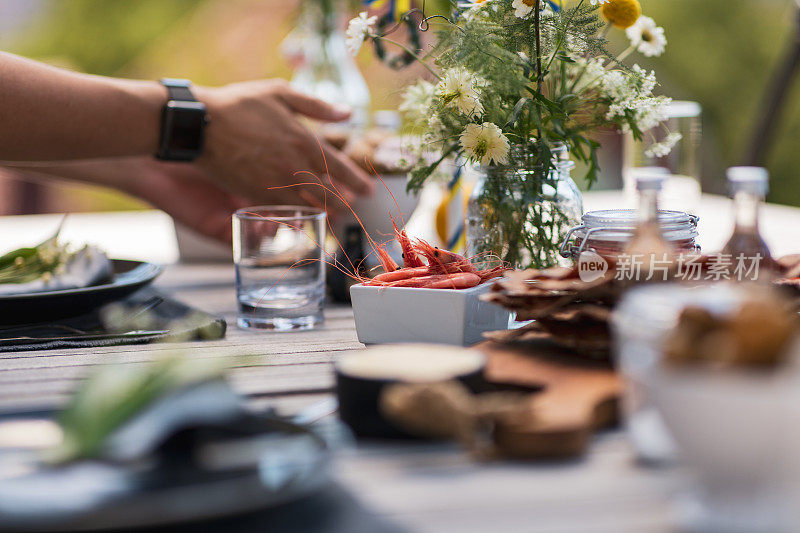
748	187
521	213
647	238
322	65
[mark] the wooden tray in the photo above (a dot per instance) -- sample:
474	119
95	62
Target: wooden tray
579	397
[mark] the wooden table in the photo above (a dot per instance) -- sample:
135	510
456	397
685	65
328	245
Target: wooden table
379	487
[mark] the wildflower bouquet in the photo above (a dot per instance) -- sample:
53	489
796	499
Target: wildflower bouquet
513	80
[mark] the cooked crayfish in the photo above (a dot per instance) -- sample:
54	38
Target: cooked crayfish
427	266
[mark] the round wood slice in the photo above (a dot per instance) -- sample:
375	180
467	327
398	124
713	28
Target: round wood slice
579	397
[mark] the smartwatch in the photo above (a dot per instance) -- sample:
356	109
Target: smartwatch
183	122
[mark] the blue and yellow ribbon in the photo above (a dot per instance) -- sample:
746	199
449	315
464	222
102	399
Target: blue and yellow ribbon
556	6
397	8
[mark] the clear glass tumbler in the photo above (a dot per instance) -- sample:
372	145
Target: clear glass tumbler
683	164
280	274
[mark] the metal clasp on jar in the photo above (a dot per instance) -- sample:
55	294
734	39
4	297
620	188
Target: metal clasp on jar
572	252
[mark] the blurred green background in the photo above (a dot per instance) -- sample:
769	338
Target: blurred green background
721	53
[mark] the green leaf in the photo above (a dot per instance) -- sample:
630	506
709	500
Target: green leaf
420	174
566	98
554	107
515	113
115	394
561	56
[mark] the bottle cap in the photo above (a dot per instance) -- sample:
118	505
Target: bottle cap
650	181
748	179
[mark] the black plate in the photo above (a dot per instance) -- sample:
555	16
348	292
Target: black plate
170	489
129	276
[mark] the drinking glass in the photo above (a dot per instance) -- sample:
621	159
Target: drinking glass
684	163
280	274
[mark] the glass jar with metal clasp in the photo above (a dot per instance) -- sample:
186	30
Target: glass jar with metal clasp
608	232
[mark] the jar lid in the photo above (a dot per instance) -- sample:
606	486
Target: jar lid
619	224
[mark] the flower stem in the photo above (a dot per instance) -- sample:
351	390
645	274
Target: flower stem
562	36
536	23
411	53
618	60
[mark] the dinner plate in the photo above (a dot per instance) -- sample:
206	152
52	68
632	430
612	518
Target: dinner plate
261	462
129	276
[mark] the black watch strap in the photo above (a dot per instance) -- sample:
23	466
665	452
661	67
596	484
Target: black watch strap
183	120
179	89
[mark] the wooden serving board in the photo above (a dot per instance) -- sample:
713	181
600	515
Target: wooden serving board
579	397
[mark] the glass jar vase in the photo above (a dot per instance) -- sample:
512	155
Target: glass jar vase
519	213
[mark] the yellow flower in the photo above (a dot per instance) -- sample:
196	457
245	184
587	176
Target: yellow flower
621	13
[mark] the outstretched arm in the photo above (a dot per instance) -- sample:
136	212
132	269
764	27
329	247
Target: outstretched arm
255	142
49	113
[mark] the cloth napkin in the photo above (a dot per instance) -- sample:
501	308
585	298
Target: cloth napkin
145	316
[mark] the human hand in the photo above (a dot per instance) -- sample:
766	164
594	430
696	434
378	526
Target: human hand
256	146
185	193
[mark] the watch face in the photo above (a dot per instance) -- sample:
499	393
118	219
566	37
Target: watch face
185	122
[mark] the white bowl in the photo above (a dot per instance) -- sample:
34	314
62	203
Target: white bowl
443	316
738	434
641	323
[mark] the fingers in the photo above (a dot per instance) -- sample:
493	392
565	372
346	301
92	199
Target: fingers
313	107
342	170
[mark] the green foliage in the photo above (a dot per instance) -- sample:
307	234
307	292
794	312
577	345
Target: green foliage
115	394
31	263
523	66
722	54
522	221
511	88
101	36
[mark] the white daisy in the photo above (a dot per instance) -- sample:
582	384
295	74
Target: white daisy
523	8
595	2
485	144
417	99
648	38
359	29
469	10
459	89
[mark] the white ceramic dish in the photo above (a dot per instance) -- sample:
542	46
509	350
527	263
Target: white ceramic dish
641	323
738	434
399	314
